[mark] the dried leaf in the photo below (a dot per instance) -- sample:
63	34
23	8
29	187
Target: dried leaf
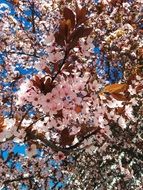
15	2
115	88
1	120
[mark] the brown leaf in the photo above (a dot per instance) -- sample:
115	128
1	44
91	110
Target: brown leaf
43	85
80	32
64	28
115	88
68	67
17	77
15	2
139	88
85	130
69	15
114	2
47	70
81	14
78	108
100	8
62	35
56	66
37	82
131	78
2	126
120	110
66	138
59	39
5	99
48	86
48	82
59	114
1	120
119	97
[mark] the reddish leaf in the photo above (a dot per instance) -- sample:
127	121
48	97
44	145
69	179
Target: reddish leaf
131	78
78	108
56	66
1	120
64	28
42	80
81	32
85	130
69	15
48	86
119	97
66	138
62	35
77	34
48	82
5	99
120	110
42	85
139	88
17	77
47	70
59	114
37	82
86	32
73	43
59	39
2	126
100	8
81	15
68	67
114	2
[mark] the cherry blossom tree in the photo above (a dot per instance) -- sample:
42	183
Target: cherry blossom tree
78	130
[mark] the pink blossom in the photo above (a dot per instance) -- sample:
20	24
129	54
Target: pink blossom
59	156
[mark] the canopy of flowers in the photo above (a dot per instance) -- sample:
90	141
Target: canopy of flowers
54	101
